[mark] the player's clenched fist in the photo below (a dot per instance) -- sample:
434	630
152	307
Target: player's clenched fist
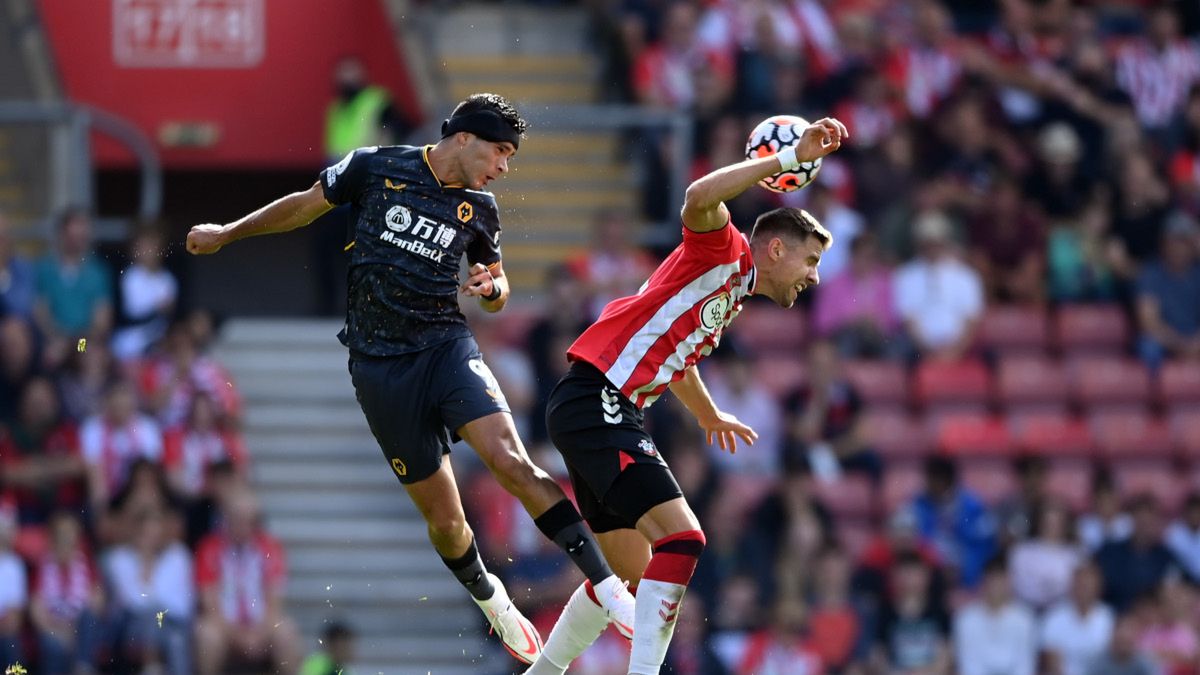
821	138
479	282
205	239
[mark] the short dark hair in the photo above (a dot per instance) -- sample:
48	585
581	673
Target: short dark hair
792	222
495	103
940	466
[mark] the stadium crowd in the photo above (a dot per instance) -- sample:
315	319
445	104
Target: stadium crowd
980	435
130	540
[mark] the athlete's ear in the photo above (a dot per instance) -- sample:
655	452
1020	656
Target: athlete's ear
777	248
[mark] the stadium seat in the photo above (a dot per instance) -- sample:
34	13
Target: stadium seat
1009	329
1178	384
900	484
973	435
1131	435
780	376
854	536
1031	383
1161	479
1052	435
1109	382
991	479
896	435
879	382
960	385
1185	427
1071	481
851	496
766	329
1091	328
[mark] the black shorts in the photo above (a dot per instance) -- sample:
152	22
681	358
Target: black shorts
415	402
615	468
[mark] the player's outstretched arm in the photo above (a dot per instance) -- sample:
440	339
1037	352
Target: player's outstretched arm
286	213
704	203
694	396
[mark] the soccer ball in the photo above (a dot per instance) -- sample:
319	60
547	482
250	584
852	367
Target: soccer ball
772	135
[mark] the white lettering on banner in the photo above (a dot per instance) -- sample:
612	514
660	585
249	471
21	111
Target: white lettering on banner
188	33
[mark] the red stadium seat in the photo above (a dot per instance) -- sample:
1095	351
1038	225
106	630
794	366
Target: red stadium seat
1158	478
1179	384
850	496
1071	481
879	382
1008	329
766	329
991	479
854	536
971	435
1031	383
1110	382
894	434
1131	434
1052	435
1185	427
960	384
1091	328
780	376
900	484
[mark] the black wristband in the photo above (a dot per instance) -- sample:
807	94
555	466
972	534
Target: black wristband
495	294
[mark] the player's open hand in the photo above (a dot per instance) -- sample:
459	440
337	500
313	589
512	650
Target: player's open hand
727	429
821	138
479	282
205	239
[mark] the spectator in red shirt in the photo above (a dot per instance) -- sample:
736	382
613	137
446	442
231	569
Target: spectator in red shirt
39	458
191	449
113	440
785	646
174	378
614	266
67	601
241	572
834	622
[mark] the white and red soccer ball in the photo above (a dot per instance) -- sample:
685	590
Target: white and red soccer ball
772	135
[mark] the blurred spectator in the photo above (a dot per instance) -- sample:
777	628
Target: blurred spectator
870	114
955	521
834	623
40	460
900	540
67	603
361	114
1076	631
562	321
205	515
784	646
112	440
691	651
1158	69
1007	246
1184	168
823	418
734	389
1168	296
995	634
153	596
1168	632
913	630
613	266
1042	566
18	362
240	574
1137	565
1140	208
790	526
1108	522
843	222
856	310
148	296
170	380
190	450
1123	657
1058	186
84	378
926	69
14	591
1016	513
680	72
75	294
939	298
18	282
1183	537
336	653
1079	265
885	183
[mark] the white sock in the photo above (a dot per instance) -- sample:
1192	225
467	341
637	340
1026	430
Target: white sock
658	604
581	622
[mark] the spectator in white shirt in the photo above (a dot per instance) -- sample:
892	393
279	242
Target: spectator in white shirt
736	392
1108	521
1042	566
938	296
1183	537
154	592
1077	631
995	634
111	441
14	590
148	295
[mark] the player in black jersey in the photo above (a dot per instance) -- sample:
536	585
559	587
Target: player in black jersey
417	371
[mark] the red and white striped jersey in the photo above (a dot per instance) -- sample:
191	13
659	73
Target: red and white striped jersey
644	342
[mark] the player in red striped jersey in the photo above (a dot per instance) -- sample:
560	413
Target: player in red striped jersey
644	344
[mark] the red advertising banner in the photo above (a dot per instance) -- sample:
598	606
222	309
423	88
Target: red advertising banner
221	83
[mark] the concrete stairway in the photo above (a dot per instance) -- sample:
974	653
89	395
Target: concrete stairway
537	57
357	547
